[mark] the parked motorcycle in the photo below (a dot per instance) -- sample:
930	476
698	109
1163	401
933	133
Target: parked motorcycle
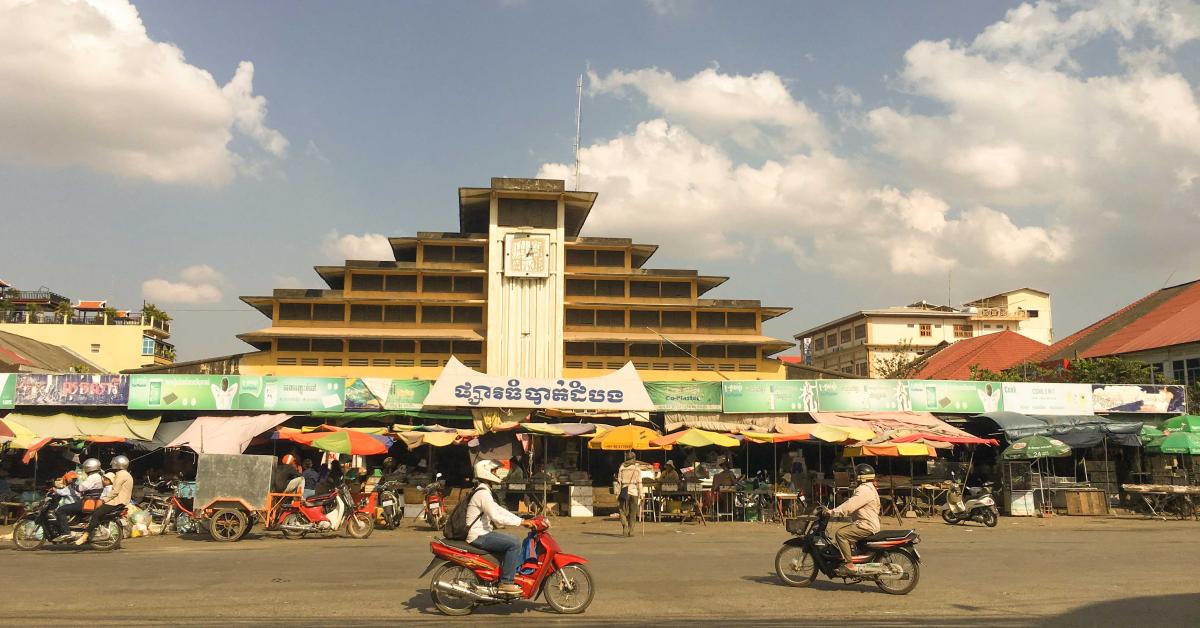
465	576
390	497
980	507
434	513
888	558
327	514
40	527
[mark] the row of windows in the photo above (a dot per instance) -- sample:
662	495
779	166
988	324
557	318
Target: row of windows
660	319
637	288
663	350
335	345
361	313
459	253
595	257
463	284
833	339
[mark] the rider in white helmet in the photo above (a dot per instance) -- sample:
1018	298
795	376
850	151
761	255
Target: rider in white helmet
484	514
117	499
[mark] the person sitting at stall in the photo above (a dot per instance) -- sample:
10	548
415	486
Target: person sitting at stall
697	472
484	515
670	475
517	474
311	478
117	499
286	478
724	477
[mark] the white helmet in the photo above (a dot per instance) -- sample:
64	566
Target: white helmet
91	465
490	471
120	462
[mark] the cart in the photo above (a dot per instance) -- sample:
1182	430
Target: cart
233	492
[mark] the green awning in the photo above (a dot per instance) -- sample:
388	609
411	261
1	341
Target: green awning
65	426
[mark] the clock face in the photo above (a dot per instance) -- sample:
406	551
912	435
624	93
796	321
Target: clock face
527	255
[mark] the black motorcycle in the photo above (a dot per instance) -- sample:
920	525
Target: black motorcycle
40	526
888	558
390	500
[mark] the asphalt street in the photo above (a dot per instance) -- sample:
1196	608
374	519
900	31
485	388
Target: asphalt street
1059	572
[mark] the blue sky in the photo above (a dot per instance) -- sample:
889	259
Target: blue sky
826	157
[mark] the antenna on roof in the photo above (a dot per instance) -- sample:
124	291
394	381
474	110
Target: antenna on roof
578	124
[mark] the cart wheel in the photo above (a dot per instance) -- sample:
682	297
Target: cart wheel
227	525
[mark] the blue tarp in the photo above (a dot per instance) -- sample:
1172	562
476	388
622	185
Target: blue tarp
1074	430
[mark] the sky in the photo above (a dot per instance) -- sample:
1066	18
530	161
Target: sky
828	157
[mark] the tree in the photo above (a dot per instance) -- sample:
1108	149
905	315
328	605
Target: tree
64	310
110	315
902	363
1088	371
32	310
6	308
151	311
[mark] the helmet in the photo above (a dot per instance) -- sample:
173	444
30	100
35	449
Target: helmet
287	459
120	462
91	465
70	476
864	473
490	471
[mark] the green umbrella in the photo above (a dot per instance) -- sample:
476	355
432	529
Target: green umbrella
1149	434
1177	443
1035	447
1185	423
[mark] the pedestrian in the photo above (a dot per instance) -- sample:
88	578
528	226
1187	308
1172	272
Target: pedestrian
629	498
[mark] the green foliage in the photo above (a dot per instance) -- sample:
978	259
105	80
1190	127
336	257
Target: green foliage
1089	371
150	310
64	310
903	362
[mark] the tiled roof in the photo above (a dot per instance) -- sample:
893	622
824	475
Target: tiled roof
1170	316
994	352
29	355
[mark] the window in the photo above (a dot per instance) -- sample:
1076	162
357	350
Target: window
710	351
848	369
295	312
468	254
860	369
327	345
643	289
645	318
672	351
467	347
436	314
366	313
742	351
400	314
1032	313
292	344
926	330
402	283
710	320
844	337
676	290
435	346
962	331
611	259
742	320
368	283
831	340
580	287
582	318
581	257
437	283
439	253
818	343
465	314
675	319
399	346
610	348
329	312
147	345
527	212
643	350
580	348
365	346
610	318
860	331
471	285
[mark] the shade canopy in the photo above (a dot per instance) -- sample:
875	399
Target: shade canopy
1187	443
941	438
695	437
64	426
626	437
828	433
1074	430
1036	447
891	450
5	431
1186	423
1148	434
344	441
225	434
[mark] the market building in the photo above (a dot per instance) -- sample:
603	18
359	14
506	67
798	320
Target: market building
111	339
516	291
859	342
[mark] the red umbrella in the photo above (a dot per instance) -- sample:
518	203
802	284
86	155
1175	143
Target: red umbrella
5	431
342	442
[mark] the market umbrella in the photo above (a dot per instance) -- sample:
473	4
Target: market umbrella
1177	443
827	433
626	437
763	437
5	432
343	442
1149	434
695	437
1185	423
890	450
1034	448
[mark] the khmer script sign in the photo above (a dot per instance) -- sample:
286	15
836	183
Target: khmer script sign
461	386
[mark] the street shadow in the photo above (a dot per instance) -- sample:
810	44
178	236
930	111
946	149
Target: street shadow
422	602
608	534
818	585
1181	609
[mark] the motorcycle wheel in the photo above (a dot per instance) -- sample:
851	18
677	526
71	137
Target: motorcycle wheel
360	525
949	517
107	537
292	519
28	535
227	525
448	603
569	590
439	521
989	518
907	581
795	566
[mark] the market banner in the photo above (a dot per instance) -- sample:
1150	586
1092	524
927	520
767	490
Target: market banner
35	389
1061	399
459	385
788	395
381	393
954	396
864	395
234	392
8	385
685	396
1135	398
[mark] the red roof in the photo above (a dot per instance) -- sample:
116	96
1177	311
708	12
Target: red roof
791	359
994	352
1167	317
91	305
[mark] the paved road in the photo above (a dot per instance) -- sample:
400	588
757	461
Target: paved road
1062	572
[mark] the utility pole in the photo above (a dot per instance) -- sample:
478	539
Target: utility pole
578	124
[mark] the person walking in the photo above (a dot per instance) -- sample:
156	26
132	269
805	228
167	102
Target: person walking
629	484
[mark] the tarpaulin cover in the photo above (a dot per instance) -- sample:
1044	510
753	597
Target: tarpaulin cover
1074	430
494	446
717	422
169	431
883	422
696	437
890	450
829	433
225	434
68	426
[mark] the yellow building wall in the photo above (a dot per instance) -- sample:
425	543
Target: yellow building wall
120	346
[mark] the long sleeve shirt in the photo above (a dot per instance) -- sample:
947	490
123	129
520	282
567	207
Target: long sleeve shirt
629	476
122	489
91	485
484	514
862	507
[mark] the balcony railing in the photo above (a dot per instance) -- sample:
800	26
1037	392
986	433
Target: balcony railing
999	313
84	318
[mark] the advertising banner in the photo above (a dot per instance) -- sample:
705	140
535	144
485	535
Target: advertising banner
1059	399
863	395
1135	398
8	385
791	395
233	392
954	396
381	393
72	390
685	396
462	386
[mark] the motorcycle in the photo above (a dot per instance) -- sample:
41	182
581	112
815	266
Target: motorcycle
888	558
390	496
434	513
980	507
328	514
40	526
465	576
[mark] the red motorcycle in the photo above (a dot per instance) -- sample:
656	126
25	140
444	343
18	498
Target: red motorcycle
434	513
467	576
327	514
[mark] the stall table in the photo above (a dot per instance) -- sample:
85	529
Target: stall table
1161	499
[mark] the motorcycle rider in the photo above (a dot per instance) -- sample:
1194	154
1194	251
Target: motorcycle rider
117	499
484	514
863	507
70	490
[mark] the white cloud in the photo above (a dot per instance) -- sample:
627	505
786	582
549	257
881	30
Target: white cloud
82	84
198	285
368	246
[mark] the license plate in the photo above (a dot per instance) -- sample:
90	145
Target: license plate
387	503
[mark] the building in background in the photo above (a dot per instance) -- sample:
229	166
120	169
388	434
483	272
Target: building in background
114	340
866	342
516	291
19	354
1162	329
